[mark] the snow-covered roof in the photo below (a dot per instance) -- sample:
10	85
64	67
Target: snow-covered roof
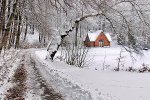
108	36
93	35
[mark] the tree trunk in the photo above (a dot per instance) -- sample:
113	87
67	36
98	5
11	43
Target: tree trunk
44	41
19	32
26	29
2	17
76	34
33	29
9	8
8	27
2	23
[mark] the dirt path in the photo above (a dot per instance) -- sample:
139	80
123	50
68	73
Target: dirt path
19	86
36	85
26	83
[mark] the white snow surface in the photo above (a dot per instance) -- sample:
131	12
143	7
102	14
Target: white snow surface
101	85
108	56
32	38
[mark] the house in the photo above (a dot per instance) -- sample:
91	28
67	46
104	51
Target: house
97	39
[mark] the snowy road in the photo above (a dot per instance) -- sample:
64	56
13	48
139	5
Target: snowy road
23	81
38	89
56	80
69	90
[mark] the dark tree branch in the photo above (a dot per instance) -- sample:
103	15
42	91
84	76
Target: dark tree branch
76	25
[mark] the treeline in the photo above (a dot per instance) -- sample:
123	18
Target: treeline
16	17
51	18
11	15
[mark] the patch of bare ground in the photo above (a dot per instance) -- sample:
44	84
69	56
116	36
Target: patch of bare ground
18	90
37	86
48	93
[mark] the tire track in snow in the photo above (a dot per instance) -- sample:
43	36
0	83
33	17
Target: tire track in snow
37	86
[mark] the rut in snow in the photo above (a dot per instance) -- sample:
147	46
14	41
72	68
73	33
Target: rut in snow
37	86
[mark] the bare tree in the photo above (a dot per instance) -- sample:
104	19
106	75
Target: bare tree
119	60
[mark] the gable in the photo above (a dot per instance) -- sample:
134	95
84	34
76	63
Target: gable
101	37
104	36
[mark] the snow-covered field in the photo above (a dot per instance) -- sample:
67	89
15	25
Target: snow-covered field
107	58
99	84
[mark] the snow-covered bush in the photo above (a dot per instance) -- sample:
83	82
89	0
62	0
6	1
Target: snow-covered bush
131	69
144	68
76	55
